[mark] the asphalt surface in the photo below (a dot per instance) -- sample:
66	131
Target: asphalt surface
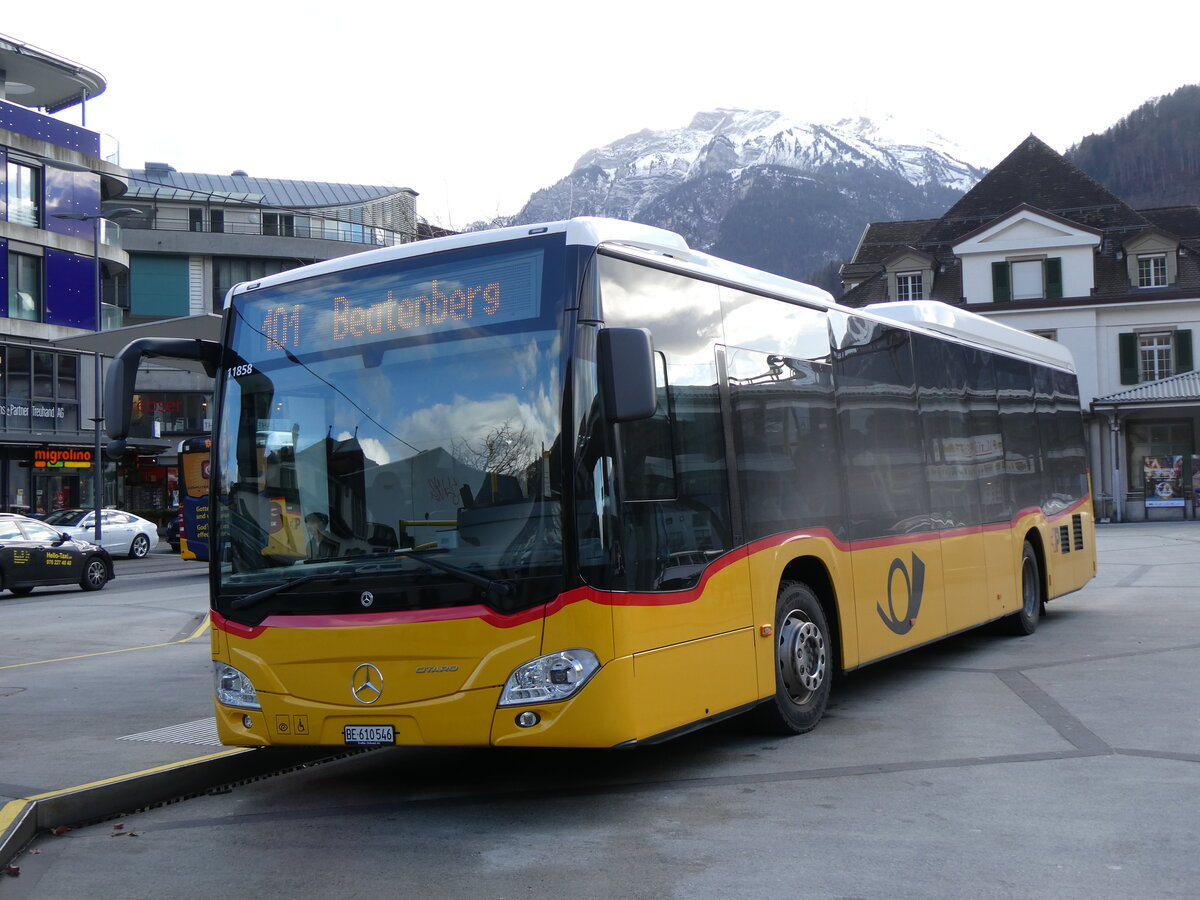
1065	764
106	699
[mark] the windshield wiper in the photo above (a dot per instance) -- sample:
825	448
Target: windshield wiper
251	599
499	588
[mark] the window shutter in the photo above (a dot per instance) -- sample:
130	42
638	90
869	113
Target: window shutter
1000	289
1183	351
1127	343
1053	269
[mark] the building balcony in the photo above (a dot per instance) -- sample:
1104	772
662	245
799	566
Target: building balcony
208	225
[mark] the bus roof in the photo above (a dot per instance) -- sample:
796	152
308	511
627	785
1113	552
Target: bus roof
669	247
585	230
965	325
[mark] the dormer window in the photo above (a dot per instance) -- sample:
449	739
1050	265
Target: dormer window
909	286
1152	270
1152	260
909	274
1028	255
1027	279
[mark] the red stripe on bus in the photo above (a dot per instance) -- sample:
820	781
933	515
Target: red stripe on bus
611	598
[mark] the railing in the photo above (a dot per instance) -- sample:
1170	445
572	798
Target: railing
312	227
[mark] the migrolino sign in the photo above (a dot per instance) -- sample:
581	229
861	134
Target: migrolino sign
62	458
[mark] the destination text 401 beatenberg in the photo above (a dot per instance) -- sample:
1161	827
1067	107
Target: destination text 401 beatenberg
284	326
459	305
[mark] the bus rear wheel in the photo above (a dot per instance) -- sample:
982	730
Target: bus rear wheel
802	663
1025	620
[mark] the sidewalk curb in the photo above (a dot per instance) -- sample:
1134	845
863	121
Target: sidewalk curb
22	819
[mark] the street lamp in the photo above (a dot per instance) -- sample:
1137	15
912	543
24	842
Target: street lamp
97	458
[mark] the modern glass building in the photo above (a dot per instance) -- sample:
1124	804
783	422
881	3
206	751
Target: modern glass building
55	183
182	241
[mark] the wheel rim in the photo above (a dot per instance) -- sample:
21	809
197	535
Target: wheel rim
1029	587
801	656
95	573
141	545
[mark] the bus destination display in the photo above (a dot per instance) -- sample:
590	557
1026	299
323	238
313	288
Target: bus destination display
379	304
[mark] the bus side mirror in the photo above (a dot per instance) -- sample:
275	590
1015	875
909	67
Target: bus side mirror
625	359
122	373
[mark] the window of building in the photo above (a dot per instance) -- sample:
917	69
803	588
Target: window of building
195	219
68	378
1050	334
1027	283
1151	355
216	221
43	374
909	286
1152	271
230	270
38	390
24	287
279	225
1027	279
24	194
1154	354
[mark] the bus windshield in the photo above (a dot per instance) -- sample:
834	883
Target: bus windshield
399	422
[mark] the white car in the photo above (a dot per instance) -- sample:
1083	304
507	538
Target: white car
121	533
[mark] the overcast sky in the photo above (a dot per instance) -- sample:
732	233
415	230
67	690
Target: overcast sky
475	105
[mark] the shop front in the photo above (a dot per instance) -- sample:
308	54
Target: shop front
39	480
1153	457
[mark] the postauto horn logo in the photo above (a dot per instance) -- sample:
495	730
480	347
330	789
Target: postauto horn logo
914	587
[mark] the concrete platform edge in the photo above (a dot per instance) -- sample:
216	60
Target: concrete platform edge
22	819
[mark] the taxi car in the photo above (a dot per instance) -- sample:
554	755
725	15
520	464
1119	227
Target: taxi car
34	554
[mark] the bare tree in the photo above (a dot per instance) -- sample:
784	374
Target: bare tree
506	450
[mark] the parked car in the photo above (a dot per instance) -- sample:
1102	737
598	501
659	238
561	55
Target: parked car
121	533
174	527
34	554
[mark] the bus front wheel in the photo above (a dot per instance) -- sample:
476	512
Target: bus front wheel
802	662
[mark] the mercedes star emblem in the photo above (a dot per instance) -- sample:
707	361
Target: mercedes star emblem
366	684
367	598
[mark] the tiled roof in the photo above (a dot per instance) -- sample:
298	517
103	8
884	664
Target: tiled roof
1181	221
1033	175
1176	389
881	239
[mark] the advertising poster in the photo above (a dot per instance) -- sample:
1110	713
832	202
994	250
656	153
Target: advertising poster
1164	481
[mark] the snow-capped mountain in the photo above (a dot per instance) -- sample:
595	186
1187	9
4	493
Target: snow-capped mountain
763	189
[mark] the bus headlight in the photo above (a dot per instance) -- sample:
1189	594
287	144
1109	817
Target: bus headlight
547	678
234	688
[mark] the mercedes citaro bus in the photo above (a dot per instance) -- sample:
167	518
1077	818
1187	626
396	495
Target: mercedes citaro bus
580	485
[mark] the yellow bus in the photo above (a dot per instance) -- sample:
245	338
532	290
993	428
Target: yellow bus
578	485
194	456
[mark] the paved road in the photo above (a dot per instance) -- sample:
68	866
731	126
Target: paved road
1062	765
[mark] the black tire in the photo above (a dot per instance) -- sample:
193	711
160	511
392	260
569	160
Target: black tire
95	574
140	547
803	657
22	591
1025	620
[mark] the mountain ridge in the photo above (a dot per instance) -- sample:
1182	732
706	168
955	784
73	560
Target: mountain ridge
812	181
793	198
